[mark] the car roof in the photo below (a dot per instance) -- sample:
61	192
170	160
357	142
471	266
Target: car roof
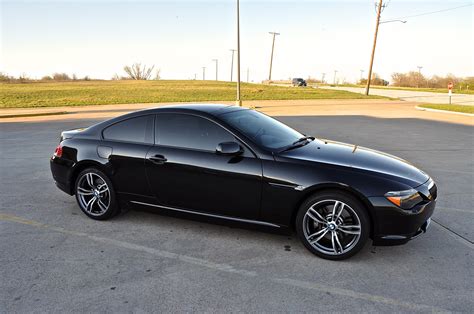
213	109
209	109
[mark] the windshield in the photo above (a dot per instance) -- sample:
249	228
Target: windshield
261	129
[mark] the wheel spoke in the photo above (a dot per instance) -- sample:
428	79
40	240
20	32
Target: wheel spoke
90	204
316	233
103	188
338	242
83	191
350	229
335	212
321	236
101	205
313	214
333	242
90	180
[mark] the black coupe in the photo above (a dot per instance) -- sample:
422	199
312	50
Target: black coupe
237	164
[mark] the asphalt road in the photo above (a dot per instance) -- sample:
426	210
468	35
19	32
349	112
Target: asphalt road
54	259
414	96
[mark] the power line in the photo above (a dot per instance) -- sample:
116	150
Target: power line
433	12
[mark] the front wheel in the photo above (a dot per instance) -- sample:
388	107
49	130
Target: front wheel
95	194
333	225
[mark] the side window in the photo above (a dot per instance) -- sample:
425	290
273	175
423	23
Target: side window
188	131
138	130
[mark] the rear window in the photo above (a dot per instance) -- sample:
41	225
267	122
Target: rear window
137	130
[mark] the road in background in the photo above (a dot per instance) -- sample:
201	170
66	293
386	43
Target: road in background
55	259
414	96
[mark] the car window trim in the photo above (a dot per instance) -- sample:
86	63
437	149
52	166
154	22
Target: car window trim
102	137
196	149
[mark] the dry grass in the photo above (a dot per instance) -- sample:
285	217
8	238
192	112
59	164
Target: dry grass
54	94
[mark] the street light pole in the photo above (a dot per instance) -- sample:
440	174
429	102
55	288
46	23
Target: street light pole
419	76
239	101
232	65
379	11
203	73
335	72
217	66
271	57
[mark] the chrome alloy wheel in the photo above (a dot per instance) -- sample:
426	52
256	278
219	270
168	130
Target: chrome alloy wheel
331	227
93	194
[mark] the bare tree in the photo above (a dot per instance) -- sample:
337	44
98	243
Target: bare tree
158	75
61	77
138	72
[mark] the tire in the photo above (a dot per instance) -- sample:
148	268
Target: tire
95	194
329	236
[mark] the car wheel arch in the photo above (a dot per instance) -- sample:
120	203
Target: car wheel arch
80	166
335	187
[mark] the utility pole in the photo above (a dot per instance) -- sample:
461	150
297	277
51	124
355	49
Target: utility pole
217	66
195	76
419	76
271	57
203	73
248	70
232	64
335	73
239	101
379	11
322	78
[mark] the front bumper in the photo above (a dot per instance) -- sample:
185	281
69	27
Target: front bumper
396	226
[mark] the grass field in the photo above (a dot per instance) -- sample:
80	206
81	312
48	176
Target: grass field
83	93
432	90
455	108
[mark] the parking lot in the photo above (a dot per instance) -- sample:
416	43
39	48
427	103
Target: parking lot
56	259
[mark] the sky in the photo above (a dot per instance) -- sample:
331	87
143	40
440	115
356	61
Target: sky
98	38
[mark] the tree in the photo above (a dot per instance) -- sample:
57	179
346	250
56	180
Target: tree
375	80
158	75
61	77
138	72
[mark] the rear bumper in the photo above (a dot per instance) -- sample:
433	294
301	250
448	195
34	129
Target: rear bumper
60	169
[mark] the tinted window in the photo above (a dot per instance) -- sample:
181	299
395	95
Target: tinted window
262	129
187	131
131	130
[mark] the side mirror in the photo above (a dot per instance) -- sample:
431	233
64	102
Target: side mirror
229	148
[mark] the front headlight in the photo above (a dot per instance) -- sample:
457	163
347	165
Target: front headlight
404	199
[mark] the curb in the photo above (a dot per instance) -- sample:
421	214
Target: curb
444	111
25	115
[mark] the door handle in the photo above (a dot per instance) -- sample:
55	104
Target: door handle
158	159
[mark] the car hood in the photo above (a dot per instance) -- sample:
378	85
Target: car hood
354	156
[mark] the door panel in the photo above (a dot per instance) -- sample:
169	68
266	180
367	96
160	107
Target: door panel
205	181
184	170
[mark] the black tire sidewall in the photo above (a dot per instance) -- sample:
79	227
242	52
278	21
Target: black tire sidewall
355	204
113	207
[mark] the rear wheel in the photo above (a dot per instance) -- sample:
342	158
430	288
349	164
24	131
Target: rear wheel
95	194
333	225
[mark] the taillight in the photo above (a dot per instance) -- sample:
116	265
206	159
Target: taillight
58	152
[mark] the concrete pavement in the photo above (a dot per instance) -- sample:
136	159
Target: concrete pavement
55	259
412	96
